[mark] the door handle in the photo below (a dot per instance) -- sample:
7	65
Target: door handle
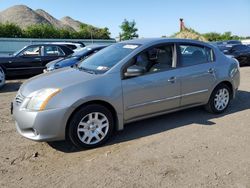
211	70
172	79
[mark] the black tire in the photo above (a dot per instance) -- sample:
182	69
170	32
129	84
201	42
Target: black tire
211	107
78	116
2	80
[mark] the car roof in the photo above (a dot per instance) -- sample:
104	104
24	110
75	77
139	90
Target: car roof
96	45
65	43
46	44
147	41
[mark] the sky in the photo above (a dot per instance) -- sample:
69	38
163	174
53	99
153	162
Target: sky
154	18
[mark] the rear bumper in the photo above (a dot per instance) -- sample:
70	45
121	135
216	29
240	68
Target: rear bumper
48	125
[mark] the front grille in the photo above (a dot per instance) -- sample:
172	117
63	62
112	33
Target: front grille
19	99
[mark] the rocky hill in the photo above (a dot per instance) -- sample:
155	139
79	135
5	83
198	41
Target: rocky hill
190	34
24	16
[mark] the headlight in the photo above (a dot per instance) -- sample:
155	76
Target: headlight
38	100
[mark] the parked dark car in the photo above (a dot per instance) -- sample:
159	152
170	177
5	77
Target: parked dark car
31	60
226	45
2	78
228	42
74	58
241	52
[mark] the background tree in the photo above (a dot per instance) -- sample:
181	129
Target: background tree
10	30
42	31
213	36
128	30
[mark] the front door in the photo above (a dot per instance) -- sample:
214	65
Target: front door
28	62
157	90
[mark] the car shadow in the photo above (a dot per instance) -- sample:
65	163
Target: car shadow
166	122
11	86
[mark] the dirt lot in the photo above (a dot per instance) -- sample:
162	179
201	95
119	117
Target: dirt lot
190	148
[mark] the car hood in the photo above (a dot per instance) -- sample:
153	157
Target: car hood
6	59
66	62
61	79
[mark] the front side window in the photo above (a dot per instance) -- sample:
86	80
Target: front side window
32	51
155	59
193	55
52	51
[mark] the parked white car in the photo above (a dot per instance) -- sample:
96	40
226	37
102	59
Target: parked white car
75	46
2	77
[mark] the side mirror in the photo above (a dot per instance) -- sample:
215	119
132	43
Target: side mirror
134	70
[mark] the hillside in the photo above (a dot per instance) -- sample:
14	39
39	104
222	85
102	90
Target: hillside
24	16
71	22
53	21
190	34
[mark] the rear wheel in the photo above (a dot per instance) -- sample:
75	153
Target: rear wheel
91	126
2	77
219	99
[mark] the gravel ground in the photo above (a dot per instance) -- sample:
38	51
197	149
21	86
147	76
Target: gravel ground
190	148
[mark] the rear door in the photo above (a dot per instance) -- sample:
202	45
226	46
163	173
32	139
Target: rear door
50	53
196	65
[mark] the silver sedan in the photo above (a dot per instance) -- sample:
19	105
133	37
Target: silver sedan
125	82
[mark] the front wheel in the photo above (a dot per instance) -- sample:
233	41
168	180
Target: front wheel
219	99
91	126
2	77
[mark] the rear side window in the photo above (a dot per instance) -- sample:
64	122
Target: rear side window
194	55
52	51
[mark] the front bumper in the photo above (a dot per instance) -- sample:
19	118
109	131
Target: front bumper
47	125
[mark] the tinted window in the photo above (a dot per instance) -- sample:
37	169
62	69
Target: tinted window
193	55
156	59
52	51
32	51
82	52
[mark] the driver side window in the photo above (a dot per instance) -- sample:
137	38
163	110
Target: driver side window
156	59
32	51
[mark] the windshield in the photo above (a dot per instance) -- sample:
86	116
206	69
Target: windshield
81	52
17	52
105	59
